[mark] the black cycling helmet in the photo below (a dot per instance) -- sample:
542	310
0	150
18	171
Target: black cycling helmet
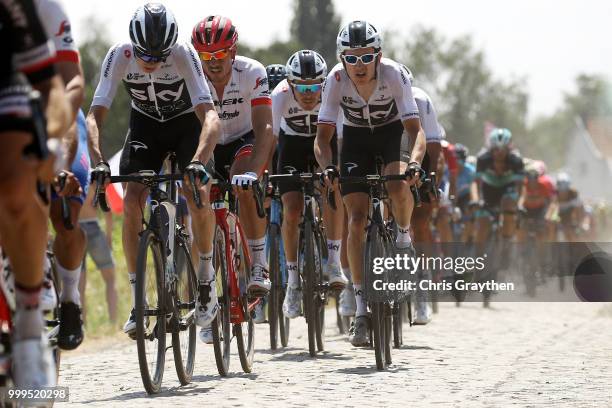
153	30
461	151
276	73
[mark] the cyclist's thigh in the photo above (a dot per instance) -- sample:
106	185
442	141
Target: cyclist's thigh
293	156
146	145
12	162
357	206
188	127
242	152
358	157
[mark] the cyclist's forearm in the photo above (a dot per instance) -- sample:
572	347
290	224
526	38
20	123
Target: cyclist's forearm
209	137
95	118
433	151
264	143
322	145
71	141
72	75
415	132
57	110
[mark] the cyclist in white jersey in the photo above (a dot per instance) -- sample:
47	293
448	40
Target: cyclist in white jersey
376	97
295	107
239	86
172	110
69	244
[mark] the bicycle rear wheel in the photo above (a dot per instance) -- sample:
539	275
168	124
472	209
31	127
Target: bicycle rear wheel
150	309
221	326
245	331
398	325
184	334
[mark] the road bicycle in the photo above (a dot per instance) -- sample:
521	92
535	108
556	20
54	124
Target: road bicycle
166	283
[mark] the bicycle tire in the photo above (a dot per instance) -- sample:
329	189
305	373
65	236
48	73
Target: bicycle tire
150	380
340	321
388	326
221	326
276	288
246	341
306	268
398	325
185	298
374	249
284	323
320	294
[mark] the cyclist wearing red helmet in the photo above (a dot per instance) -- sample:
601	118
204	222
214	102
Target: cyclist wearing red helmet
239	87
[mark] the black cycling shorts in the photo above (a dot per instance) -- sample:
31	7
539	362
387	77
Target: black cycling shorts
148	142
226	154
362	146
296	154
15	109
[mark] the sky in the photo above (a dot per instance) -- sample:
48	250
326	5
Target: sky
548	42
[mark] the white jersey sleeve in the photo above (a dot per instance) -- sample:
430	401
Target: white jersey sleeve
330	98
58	28
260	93
428	116
279	100
112	71
190	69
402	92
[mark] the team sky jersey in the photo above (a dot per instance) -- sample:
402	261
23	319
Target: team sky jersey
172	90
486	172
539	195
58	29
247	87
288	115
391	100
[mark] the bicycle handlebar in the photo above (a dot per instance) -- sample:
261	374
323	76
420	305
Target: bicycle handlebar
66	218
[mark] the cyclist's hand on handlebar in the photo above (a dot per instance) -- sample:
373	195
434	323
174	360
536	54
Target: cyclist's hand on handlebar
70	187
330	176
245	180
102	170
198	170
414	172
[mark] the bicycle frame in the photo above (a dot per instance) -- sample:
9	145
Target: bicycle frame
229	223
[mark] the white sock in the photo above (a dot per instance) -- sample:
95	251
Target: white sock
362	308
333	251
258	251
347	273
403	237
70	284
206	272
293	274
28	319
132	277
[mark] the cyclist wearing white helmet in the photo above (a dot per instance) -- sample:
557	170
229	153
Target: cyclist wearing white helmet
295	106
375	95
172	110
569	206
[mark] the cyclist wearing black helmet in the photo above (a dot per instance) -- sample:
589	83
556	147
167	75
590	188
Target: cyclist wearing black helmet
172	110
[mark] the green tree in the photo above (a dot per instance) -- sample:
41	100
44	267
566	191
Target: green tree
276	53
93	49
315	26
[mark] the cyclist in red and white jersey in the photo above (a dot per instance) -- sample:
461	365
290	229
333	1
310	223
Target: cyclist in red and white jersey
27	62
295	107
172	110
239	87
376	98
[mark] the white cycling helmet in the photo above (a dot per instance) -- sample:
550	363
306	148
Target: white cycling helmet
153	30
500	138
358	34
306	64
563	181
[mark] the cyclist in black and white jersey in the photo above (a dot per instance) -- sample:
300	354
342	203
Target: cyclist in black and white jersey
376	97
172	110
27	62
295	107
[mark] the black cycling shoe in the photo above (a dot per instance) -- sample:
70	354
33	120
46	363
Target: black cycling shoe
71	326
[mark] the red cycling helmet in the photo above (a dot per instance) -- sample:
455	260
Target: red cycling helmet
214	33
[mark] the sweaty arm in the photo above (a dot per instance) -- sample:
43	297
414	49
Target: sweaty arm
264	140
211	131
327	120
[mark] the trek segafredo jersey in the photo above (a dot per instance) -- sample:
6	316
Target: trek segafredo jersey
58	28
248	87
172	90
391	100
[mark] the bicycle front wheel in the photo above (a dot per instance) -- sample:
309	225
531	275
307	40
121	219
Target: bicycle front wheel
274	311
307	269
184	334
245	331
150	312
221	326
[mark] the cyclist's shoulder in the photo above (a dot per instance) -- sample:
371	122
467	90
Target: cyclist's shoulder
281	92
118	54
247	65
392	71
515	159
336	74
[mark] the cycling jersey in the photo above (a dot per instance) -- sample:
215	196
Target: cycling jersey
289	117
448	150
248	87
172	90
25	50
538	196
427	115
464	179
59	30
494	186
392	100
